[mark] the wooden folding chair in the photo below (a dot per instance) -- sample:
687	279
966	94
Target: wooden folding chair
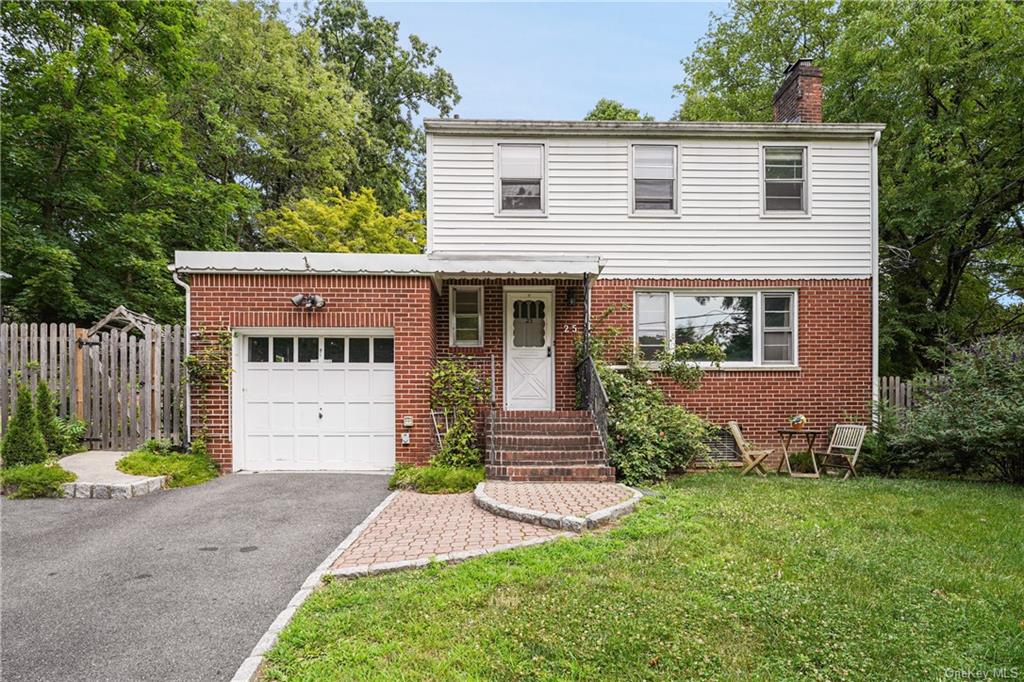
751	457
843	449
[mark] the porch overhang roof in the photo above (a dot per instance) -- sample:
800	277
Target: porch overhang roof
437	265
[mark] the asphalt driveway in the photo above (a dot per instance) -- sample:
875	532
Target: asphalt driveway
176	585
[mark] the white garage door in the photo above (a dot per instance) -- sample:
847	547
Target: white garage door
318	403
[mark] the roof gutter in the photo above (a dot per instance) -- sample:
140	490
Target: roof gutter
449	126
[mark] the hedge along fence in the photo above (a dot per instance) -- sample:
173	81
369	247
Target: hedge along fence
127	386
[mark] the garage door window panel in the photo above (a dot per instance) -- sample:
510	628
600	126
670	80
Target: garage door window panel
284	349
309	349
358	350
334	350
259	349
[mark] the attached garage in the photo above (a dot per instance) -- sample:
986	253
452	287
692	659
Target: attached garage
309	400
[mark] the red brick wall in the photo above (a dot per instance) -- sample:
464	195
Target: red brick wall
833	383
565	316
406	304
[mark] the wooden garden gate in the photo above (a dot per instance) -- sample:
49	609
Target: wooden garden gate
128	385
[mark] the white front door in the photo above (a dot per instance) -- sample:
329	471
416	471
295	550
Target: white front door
311	402
529	350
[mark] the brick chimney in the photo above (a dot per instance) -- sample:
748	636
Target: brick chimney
798	99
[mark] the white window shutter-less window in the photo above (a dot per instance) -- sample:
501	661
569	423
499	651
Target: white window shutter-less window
522	172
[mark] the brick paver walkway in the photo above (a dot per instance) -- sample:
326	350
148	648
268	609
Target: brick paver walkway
416	526
564	499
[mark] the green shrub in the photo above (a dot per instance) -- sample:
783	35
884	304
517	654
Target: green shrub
436	479
973	421
156	458
879	454
23	442
456	390
70	433
34	480
649	436
46	415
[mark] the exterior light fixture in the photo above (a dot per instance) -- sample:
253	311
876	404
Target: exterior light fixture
308	301
570	296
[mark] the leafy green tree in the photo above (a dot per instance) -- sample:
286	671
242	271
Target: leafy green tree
265	117
333	222
97	185
46	417
23	442
613	110
397	81
947	79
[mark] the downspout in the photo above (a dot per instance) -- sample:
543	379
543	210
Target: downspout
188	346
874	272
586	316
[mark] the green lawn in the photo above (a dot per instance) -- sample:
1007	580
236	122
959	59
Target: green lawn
717	578
181	469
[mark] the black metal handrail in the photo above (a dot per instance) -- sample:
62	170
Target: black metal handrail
592	396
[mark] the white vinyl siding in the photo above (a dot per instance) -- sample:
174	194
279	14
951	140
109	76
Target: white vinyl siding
719	231
466	316
754	328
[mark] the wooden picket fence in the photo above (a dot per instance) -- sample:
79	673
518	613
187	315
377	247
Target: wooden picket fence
127	386
903	393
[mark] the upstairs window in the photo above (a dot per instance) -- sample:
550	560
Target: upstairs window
521	178
466	314
654	179
785	180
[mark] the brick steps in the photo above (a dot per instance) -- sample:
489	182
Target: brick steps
580	473
547	446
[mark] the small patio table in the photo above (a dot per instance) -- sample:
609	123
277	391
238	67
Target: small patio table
810	435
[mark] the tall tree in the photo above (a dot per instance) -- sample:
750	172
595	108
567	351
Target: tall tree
613	110
94	173
264	116
397	82
947	79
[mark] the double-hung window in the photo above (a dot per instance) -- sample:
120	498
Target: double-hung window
466	314
521	179
785	180
753	328
654	179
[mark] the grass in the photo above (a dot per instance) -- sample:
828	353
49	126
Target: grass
718	577
34	480
436	479
181	469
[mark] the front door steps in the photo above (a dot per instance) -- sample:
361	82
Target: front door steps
546	446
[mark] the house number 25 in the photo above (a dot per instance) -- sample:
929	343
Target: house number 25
570	329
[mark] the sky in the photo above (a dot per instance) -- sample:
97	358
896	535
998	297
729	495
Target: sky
555	60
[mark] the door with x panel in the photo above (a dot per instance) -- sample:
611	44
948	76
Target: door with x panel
529	350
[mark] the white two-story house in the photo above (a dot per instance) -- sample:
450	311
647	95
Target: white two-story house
761	236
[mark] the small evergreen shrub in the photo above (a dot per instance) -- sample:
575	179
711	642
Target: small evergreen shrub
46	415
436	479
879	453
456	391
23	442
34	480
